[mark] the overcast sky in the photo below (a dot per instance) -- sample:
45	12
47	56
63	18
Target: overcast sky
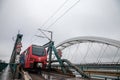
87	18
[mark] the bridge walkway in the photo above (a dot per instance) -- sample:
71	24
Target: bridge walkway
5	74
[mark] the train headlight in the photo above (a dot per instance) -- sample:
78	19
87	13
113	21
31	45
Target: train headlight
39	65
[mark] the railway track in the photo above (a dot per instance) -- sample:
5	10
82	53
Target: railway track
45	75
53	76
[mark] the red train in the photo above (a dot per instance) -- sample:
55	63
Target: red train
34	57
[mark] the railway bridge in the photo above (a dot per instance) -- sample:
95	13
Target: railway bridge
88	57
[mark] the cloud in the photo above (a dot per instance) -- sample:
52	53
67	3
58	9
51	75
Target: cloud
87	18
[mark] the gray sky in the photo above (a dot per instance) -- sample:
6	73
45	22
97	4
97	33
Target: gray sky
87	18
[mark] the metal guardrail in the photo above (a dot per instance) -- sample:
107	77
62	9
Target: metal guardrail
3	66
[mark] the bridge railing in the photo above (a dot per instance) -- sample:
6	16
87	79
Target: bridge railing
3	66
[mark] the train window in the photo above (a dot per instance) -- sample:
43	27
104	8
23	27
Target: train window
37	50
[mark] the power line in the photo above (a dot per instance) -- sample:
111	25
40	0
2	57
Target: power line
63	14
49	19
54	13
32	38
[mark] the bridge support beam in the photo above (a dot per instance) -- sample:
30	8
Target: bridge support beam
74	67
14	60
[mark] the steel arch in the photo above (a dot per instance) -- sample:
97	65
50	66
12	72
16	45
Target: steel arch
84	39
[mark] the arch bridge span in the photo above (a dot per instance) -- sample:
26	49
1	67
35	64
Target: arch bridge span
84	39
98	56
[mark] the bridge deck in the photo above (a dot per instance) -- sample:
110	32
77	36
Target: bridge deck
107	73
54	76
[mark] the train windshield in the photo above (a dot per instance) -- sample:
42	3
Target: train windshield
37	50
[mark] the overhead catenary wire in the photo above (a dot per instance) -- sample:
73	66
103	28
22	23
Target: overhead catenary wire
55	13
63	14
49	19
32	38
44	34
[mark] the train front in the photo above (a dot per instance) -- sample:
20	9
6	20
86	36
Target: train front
38	57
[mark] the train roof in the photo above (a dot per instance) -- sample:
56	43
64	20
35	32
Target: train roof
33	46
36	45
